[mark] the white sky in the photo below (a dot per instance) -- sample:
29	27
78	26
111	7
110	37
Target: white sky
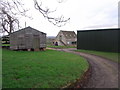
84	14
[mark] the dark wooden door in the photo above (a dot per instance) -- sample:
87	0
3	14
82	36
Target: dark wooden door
21	43
28	41
36	41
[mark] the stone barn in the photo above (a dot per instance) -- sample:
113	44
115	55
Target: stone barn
66	38
28	39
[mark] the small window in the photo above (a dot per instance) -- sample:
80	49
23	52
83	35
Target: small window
60	37
74	43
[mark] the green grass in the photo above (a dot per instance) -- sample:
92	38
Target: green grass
45	69
50	46
109	55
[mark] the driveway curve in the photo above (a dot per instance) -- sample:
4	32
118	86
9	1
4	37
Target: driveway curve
104	73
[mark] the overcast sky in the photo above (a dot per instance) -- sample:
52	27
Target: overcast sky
83	14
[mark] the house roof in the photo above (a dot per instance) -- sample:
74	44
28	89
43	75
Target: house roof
69	34
29	28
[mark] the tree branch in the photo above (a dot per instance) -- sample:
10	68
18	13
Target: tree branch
61	21
9	10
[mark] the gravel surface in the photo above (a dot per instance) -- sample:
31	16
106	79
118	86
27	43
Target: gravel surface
104	73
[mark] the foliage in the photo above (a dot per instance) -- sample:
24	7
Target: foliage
5	44
45	69
5	40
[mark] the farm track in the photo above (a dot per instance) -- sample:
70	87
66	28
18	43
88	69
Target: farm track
104	73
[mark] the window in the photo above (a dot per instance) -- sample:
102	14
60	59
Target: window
60	37
74	43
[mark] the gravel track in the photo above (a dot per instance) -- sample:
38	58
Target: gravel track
104	73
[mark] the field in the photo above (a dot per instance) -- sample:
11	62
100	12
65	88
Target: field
45	69
109	55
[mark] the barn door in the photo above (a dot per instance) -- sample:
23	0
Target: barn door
28	41
21	43
36	41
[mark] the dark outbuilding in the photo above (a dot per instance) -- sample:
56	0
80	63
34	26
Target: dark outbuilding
27	39
100	39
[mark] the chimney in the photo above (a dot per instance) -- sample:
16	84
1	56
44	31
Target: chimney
25	24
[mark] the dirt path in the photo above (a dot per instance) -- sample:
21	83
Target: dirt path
104	72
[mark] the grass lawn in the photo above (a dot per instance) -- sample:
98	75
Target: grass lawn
50	46
45	69
110	55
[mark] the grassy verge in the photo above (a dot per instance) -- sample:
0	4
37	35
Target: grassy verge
109	55
50	46
45	69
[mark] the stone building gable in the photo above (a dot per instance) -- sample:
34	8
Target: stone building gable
69	34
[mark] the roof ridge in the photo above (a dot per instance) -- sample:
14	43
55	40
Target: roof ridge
66	31
28	27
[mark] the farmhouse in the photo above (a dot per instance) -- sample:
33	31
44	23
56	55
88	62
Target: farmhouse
27	39
65	38
100	40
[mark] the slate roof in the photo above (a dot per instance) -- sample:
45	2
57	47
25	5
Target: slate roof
69	34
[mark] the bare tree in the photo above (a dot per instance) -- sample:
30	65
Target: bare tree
60	21
7	22
8	12
10	9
